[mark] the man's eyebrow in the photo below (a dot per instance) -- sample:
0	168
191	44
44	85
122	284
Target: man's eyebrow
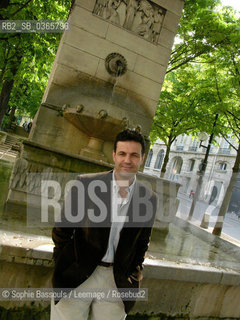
129	152
135	153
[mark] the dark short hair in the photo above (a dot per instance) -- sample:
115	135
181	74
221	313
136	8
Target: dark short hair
130	135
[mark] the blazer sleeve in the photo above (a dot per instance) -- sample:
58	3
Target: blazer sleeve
62	233
142	247
60	236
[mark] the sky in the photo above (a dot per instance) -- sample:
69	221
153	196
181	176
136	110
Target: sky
233	3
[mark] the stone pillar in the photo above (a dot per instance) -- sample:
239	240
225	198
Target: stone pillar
142	35
107	75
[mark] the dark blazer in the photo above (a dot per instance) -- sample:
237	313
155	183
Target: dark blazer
79	249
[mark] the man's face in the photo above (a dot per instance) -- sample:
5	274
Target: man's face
127	158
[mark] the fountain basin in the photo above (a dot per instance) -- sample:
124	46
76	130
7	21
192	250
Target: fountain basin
101	125
99	128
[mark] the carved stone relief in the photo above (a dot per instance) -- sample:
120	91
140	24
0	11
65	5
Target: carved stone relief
29	177
142	17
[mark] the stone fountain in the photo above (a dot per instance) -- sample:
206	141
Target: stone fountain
107	76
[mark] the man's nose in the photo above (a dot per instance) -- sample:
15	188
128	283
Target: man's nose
127	158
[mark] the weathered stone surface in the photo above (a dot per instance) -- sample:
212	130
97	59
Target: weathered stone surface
78	60
208	300
149	104
230	279
137	108
87	21
149	69
59	134
230	304
133	82
171	5
188	273
96	46
166	38
171	22
140	46
80	64
86	4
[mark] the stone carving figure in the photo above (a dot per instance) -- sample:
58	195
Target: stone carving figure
145	27
131	9
158	19
110	13
151	16
100	7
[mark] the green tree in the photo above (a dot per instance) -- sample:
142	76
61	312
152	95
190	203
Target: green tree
175	112
201	31
188	104
26	58
227	59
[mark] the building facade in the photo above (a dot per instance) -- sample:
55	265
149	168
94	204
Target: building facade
185	160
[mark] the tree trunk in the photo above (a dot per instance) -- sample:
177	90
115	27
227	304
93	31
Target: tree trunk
202	172
227	197
166	158
4	98
6	92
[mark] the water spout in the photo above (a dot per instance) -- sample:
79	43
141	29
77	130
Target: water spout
116	64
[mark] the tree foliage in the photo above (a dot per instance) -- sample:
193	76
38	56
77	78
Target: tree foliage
202	72
201	31
188	103
26	58
207	64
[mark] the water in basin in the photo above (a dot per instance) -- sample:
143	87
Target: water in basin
183	246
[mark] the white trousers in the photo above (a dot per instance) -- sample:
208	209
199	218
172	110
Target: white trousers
92	309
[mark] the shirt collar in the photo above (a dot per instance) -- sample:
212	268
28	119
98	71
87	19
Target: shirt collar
116	186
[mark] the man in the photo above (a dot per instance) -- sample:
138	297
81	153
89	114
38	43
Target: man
106	253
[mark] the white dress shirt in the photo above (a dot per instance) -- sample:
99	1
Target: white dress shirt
119	215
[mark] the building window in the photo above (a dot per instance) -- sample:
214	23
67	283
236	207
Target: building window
159	160
180	143
225	147
224	150
177	166
222	166
194	145
149	158
176	169
191	165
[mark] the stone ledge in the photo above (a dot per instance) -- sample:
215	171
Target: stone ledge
16	254
167	270
157	269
